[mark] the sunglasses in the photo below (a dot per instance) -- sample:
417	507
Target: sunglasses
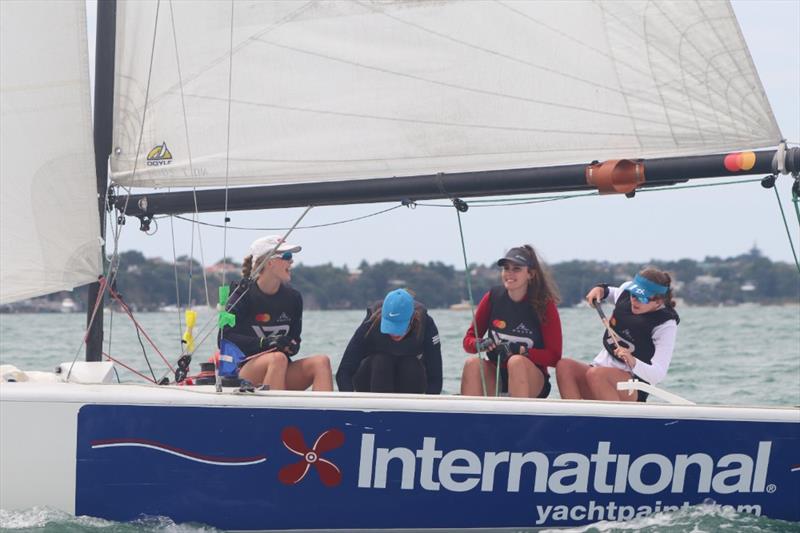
286	256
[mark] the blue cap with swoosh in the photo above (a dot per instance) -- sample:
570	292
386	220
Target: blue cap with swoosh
398	306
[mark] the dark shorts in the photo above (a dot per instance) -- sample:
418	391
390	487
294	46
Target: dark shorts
544	393
392	374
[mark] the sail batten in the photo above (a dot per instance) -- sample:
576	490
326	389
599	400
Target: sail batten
49	222
357	90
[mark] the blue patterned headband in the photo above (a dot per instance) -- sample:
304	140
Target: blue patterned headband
643	289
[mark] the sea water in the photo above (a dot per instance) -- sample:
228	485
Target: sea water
745	355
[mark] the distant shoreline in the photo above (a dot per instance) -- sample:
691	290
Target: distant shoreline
148	284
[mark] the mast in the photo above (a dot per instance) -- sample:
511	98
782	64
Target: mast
617	176
103	130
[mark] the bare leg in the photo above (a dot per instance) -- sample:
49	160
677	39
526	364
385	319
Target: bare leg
602	383
268	368
314	371
524	379
571	378
471	377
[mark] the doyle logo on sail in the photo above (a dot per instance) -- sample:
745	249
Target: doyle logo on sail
159	155
329	473
600	472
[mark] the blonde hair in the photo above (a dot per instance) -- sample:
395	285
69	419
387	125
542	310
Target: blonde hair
249	263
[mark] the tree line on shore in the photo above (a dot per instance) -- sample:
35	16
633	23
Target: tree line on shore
149	284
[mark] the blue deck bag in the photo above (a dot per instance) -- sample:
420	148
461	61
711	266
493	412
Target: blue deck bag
230	356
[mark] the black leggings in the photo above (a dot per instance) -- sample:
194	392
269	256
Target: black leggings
390	373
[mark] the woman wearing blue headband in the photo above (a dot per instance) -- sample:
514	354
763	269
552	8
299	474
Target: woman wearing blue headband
638	342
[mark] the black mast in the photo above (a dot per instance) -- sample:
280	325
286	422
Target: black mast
622	176
103	129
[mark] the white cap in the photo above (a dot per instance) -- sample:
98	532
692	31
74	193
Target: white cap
270	243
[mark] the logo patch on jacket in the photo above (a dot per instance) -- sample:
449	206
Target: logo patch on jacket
522	329
263	317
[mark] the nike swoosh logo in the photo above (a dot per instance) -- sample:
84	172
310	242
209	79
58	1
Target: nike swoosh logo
392	315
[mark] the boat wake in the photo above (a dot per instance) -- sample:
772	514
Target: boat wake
707	517
45	519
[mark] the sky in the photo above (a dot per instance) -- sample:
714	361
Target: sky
694	223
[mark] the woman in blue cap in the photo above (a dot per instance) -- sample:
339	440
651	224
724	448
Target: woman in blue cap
395	349
644	325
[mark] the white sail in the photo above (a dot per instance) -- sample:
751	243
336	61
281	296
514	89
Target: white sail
274	92
49	225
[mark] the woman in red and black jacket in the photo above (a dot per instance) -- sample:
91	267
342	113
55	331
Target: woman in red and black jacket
522	328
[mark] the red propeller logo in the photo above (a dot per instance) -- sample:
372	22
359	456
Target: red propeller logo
329	473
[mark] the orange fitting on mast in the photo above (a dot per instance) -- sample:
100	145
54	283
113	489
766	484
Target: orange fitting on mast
615	176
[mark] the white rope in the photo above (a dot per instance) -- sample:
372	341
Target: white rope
227	155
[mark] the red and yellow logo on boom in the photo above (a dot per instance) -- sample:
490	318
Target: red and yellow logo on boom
738	161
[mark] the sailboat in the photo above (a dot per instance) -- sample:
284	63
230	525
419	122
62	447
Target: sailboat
318	103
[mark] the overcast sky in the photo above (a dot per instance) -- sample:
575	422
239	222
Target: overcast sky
719	221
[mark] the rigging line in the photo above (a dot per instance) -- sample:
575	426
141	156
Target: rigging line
258	268
97	303
500	202
110	336
113	266
227	154
497	202
112	222
191	164
190	161
130	369
177	283
467	275
113	271
796	200
144	353
786	225
202	258
313	226
139	328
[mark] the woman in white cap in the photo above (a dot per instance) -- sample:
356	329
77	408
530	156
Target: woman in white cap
644	326
269	320
522	328
396	349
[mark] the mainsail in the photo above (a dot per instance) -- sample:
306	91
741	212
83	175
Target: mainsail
254	92
49	223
